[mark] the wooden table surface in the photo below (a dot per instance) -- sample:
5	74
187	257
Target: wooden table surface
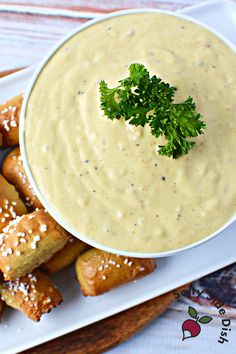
27	30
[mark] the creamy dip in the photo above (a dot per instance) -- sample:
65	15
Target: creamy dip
104	178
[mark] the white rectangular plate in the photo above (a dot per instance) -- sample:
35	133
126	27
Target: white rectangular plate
18	333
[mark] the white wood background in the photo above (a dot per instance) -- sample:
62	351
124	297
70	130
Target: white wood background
27	30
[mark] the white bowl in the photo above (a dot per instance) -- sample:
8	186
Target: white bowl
22	136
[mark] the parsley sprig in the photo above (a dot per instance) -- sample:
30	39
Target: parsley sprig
142	99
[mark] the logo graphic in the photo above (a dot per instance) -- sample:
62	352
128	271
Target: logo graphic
191	328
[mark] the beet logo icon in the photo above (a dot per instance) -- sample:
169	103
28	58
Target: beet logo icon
191	328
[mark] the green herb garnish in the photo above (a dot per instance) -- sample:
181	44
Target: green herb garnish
142	99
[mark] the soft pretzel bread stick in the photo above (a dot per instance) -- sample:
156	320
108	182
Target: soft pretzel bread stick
65	257
14	172
9	121
34	294
11	205
98	271
29	241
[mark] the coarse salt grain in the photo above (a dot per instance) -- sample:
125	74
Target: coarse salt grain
33	245
13	124
32	277
5	125
111	262
43	228
23	289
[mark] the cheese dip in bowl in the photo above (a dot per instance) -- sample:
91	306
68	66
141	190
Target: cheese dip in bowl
103	180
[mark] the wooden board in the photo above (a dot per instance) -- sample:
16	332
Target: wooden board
105	334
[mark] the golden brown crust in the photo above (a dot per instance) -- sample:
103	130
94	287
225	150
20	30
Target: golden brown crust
13	170
9	121
11	205
29	241
65	257
34	294
98	271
